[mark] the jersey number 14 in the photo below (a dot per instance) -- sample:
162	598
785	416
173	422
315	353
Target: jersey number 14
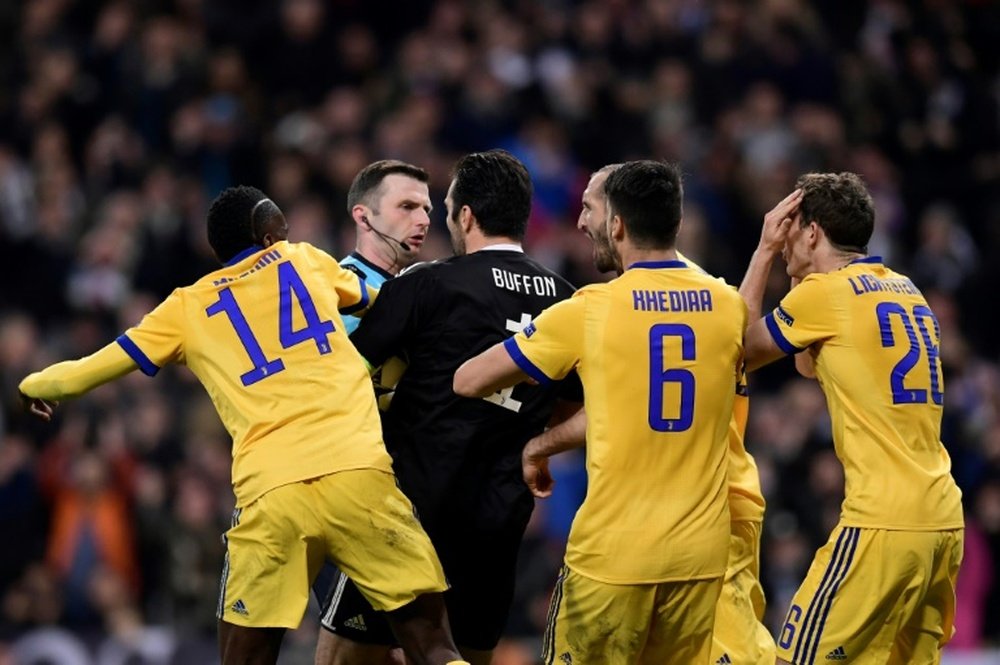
290	286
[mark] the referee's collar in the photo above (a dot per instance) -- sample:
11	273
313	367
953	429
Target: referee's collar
503	247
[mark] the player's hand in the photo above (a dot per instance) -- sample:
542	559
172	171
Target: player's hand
536	474
778	221
39	408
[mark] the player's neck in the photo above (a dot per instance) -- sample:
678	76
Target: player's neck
630	255
476	241
379	257
828	258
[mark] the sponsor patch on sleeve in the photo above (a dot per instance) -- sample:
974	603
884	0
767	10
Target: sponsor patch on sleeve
529	330
783	316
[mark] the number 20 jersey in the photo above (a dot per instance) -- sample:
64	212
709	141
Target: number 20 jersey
876	348
657	351
265	337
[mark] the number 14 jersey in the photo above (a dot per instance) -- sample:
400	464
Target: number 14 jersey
264	336
876	347
657	351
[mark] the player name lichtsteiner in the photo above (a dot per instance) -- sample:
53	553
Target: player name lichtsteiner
871	284
512	281
688	300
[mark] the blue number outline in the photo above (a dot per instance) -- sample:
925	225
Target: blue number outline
659	375
900	393
289	284
920	314
262	367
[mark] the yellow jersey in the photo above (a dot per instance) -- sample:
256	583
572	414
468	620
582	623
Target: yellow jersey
746	499
657	351
264	336
876	348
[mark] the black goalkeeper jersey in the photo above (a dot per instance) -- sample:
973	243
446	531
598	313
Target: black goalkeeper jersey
459	459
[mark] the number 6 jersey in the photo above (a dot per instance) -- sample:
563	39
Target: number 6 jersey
876	347
264	336
657	351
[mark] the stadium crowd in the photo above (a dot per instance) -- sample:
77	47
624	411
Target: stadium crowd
120	121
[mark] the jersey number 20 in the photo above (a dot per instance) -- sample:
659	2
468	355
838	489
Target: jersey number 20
289	285
659	376
922	315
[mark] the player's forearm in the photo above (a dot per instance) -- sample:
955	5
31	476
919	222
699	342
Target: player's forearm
73	378
487	373
755	281
569	434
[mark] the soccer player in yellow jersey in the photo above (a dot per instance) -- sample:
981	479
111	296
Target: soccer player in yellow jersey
739	636
312	478
658	351
882	590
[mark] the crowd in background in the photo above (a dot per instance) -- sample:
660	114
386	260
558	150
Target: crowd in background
120	120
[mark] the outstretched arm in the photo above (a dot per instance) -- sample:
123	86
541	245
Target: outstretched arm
567	435
40	391
490	371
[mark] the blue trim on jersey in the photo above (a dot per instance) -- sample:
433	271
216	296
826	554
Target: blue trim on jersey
522	361
253	249
146	366
672	263
357	307
867	259
779	337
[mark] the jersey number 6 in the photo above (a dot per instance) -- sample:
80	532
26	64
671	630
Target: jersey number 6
289	285
659	376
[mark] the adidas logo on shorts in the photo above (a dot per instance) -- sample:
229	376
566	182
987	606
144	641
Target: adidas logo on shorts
240	608
566	658
356	622
837	654
725	660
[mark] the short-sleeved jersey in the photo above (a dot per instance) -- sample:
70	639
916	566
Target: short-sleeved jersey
875	343
264	336
459	459
657	351
746	500
374	277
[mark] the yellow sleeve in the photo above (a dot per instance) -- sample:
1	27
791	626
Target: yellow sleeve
159	337
75	377
803	317
550	346
353	292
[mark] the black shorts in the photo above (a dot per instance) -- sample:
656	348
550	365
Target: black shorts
482	589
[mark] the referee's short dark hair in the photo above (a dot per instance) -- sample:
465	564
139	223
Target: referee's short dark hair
367	183
231	227
648	197
497	188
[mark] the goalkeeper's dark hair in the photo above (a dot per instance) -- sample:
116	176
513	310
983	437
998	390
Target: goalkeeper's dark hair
366	187
236	218
497	188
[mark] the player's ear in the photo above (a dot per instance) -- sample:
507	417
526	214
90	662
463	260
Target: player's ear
815	232
360	214
616	228
466	219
